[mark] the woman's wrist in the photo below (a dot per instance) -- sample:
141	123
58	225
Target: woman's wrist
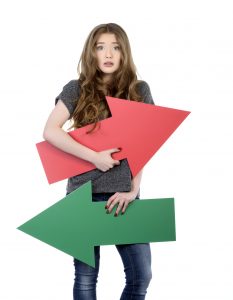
91	156
133	194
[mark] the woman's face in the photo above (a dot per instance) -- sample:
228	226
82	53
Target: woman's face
108	54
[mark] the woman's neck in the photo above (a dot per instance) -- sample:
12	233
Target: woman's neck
107	78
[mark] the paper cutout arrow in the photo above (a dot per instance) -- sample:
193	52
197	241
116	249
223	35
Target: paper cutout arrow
139	129
75	224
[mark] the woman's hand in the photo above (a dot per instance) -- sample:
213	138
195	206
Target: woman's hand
104	161
122	200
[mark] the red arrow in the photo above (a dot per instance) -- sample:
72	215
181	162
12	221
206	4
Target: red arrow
139	129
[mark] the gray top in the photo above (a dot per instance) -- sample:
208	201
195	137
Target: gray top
117	179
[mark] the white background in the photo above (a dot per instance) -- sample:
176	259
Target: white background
184	50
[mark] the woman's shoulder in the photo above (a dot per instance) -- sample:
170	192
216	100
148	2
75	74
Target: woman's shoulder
142	84
70	94
144	90
70	90
73	84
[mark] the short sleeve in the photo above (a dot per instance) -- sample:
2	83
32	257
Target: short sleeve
70	95
145	92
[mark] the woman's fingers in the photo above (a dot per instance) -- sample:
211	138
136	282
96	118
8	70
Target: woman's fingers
122	201
114	150
104	160
110	203
116	162
111	151
121	207
124	207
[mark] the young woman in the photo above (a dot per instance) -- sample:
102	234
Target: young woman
105	68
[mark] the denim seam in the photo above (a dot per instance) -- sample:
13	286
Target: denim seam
130	259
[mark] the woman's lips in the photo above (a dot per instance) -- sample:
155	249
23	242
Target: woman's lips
108	64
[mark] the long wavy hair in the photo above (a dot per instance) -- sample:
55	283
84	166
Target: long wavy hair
92	105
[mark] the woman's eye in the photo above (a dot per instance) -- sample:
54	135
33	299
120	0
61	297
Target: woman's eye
99	47
116	48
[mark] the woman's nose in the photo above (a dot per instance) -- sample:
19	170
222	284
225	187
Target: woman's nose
108	53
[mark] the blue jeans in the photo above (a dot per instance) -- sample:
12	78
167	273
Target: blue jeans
136	259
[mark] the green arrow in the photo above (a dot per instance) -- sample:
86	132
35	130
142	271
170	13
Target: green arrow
75	224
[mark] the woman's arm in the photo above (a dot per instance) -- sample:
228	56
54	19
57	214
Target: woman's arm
136	183
55	135
123	199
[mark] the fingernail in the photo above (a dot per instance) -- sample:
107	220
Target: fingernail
122	212
107	212
106	206
115	215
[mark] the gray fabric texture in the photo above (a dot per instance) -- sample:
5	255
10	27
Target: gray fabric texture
117	179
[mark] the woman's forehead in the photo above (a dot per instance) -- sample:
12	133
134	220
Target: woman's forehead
107	38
